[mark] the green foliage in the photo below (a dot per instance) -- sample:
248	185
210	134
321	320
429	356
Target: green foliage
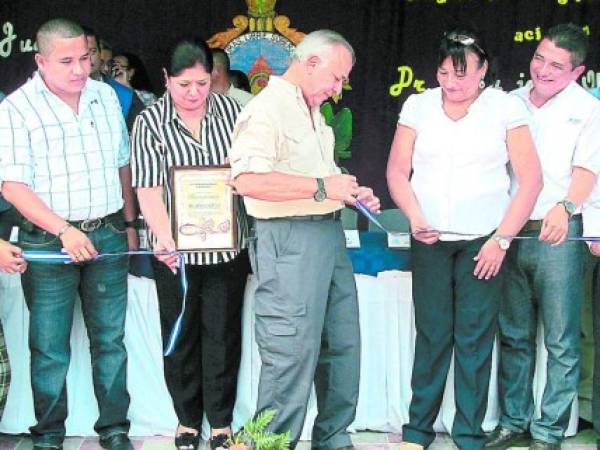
255	436
341	123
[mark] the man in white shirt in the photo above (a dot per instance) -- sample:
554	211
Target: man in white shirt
591	227
220	82
543	277
64	157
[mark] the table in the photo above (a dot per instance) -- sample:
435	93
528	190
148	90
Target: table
387	330
374	256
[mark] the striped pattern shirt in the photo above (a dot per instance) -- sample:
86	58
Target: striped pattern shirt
69	160
160	140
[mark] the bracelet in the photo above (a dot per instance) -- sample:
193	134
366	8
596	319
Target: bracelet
129	223
63	230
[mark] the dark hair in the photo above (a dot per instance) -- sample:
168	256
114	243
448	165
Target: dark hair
221	58
140	79
571	38
58	27
455	45
187	53
240	80
89	32
104	45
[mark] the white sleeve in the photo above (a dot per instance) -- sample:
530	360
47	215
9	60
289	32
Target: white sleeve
515	112
587	150
591	213
409	114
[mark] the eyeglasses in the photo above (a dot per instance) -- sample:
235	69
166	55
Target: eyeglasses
463	39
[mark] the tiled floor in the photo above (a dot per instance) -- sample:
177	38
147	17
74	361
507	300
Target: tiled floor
585	440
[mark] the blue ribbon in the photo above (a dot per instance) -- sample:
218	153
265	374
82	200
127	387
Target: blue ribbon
369	215
62	257
176	330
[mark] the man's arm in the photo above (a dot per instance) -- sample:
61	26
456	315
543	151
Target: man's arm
129	206
278	187
76	243
555	227
253	154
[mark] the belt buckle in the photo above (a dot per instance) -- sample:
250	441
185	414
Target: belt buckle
90	224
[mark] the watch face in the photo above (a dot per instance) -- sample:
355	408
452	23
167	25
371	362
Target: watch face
503	243
570	207
320	195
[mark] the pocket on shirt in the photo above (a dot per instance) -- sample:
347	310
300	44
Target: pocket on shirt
301	144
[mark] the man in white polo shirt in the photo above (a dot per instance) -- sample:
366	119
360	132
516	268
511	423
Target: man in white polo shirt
543	277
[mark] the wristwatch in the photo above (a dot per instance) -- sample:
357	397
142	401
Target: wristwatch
503	242
568	205
320	195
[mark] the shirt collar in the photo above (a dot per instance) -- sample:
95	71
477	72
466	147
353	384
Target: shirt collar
526	91
88	94
170	113
290	89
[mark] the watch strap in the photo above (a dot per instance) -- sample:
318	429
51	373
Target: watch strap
569	206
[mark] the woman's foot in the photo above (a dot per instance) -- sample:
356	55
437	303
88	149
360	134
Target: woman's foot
219	438
187	438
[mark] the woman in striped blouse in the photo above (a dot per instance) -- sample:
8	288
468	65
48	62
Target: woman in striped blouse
189	126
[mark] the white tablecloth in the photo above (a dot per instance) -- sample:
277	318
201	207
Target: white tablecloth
387	331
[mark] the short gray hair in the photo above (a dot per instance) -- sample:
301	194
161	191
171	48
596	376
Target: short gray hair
56	28
319	41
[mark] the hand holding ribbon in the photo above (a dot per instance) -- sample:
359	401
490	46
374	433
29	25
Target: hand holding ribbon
11	258
366	198
341	187
165	251
77	244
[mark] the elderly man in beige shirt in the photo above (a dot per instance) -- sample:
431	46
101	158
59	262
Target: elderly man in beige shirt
305	304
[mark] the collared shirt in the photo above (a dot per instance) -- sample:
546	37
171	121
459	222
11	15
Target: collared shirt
591	208
460	175
69	160
160	140
277	132
240	96
566	132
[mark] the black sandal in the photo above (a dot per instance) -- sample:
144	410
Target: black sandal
220	440
187	441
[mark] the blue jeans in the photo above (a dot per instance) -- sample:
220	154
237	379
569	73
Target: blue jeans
542	282
50	291
596	327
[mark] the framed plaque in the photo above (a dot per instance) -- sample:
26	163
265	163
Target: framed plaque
203	208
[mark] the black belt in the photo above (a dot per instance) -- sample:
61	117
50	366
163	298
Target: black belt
536	225
87	225
93	224
336	215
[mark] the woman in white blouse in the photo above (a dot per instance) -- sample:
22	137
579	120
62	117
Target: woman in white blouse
448	172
